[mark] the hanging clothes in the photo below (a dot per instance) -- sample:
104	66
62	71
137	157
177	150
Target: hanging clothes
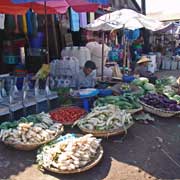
102	2
83	20
10	24
92	17
24	24
16	22
74	18
34	24
29	22
132	35
20	23
2	20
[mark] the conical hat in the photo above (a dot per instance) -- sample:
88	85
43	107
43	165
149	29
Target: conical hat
143	60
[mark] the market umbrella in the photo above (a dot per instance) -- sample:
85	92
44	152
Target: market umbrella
126	19
60	6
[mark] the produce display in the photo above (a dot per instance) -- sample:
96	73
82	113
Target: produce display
69	152
67	115
125	87
161	83
105	118
125	101
146	87
30	130
161	102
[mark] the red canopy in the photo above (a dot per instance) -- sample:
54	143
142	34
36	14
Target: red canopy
53	6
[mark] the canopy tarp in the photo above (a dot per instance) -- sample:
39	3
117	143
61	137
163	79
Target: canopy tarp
52	6
126	18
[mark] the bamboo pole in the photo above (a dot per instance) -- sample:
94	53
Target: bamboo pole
102	64
54	35
46	31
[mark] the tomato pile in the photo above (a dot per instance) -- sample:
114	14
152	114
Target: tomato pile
67	115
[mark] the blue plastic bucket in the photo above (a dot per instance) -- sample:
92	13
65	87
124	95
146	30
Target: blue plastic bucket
37	42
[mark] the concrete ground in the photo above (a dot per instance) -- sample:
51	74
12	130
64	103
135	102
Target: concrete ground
148	152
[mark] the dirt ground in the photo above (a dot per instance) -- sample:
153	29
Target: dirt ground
147	152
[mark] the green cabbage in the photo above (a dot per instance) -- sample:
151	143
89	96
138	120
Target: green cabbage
140	81
149	87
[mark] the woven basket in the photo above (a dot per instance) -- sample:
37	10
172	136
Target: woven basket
29	147
106	133
133	111
90	165
158	112
67	123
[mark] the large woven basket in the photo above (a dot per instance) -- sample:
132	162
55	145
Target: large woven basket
67	123
106	133
158	112
29	147
96	159
133	111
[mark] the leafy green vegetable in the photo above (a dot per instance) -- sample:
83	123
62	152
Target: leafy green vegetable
125	101
8	125
149	87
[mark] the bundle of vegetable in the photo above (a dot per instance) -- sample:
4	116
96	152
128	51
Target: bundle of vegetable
125	101
105	118
161	83
69	154
32	129
146	87
67	115
161	102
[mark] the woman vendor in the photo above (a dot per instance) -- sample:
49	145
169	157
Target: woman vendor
142	70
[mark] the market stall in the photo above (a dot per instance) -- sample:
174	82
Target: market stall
111	112
126	19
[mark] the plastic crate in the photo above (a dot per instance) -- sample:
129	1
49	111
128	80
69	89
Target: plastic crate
11	59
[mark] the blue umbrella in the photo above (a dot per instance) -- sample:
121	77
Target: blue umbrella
102	2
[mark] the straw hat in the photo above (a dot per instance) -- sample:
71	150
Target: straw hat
143	60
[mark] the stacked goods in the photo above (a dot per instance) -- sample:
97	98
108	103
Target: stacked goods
105	118
160	102
33	129
69	153
67	115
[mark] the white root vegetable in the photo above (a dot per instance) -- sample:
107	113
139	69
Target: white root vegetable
30	132
67	158
105	118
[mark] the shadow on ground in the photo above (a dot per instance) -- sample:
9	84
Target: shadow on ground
149	151
153	148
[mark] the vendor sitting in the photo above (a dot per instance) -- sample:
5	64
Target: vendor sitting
87	76
142	70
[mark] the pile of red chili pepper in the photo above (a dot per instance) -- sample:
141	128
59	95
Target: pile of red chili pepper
67	115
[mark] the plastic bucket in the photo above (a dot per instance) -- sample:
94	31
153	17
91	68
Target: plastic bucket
36	42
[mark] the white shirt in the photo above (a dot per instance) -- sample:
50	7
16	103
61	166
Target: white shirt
2	19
